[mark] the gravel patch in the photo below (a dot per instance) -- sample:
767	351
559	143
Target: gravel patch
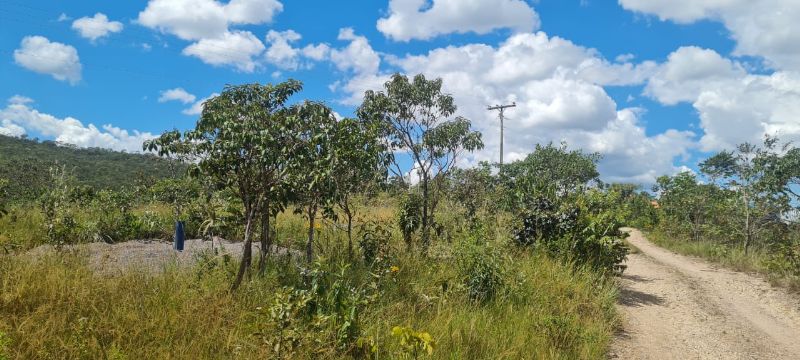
154	255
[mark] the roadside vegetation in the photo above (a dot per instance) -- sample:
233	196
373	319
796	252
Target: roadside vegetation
493	261
740	211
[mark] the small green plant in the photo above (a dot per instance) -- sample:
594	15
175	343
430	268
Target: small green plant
60	225
115	222
5	343
409	216
481	270
374	243
285	333
413	343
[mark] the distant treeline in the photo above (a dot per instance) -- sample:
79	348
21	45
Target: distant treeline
25	163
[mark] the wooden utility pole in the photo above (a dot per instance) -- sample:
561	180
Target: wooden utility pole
502	109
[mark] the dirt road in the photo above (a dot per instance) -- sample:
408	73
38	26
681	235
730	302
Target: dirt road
676	307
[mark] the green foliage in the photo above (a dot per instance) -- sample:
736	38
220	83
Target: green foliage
413	343
115	221
409	215
177	192
586	234
283	333
547	172
312	165
474	189
25	165
600	243
5	344
418	119
60	224
545	222
374	243
360	163
784	258
481	270
3	197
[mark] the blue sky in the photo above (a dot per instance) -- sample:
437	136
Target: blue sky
652	85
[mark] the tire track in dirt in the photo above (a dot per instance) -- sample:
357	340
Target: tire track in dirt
676	307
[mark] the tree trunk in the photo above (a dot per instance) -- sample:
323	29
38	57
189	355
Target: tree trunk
247	252
349	234
748	234
425	221
312	214
266	239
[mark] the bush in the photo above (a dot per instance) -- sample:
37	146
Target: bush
785	258
575	234
115	222
544	222
409	216
374	243
481	270
600	244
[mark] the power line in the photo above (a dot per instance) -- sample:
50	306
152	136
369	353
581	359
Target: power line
502	109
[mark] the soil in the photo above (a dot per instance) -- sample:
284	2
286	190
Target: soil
677	307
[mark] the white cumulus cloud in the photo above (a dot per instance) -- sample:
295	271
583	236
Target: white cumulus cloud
558	89
734	106
765	28
19	118
208	23
96	27
38	54
176	94
426	19
235	48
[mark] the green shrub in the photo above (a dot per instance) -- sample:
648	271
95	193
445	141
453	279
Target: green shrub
413	343
600	244
544	222
585	235
409	216
374	243
5	343
481	270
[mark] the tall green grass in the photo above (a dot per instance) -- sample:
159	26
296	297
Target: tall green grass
757	260
56	307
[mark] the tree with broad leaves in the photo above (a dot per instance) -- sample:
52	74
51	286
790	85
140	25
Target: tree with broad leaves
473	188
688	201
312	164
550	171
749	172
240	140
419	120
359	163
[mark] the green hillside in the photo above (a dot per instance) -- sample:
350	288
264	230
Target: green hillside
25	164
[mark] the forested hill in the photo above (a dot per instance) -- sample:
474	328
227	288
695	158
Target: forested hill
26	163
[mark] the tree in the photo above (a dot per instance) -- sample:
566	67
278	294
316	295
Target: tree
686	201
312	164
746	172
418	121
237	138
548	172
360	161
473	188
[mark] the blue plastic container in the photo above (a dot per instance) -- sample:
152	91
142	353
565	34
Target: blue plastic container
180	236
